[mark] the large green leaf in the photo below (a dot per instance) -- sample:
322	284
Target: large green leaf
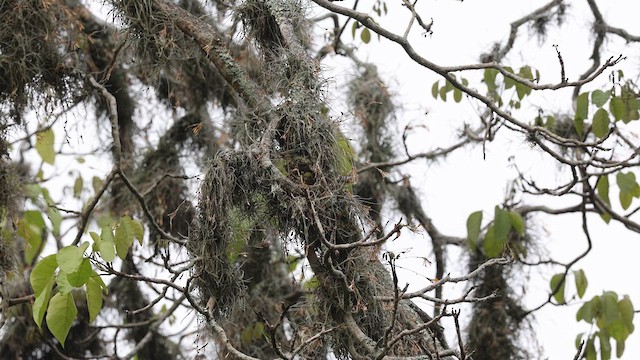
590	350
508	82
490	79
522	90
41	303
138	229
474	221
457	95
517	222
627	312
44	146
617	108
56	220
95	277
605	347
631	104
629	188
43	273
80	277
365	35
60	315
94	299
585	312
601	123
599	97
491	245
96	183
603	192
33	229
502	224
69	258
619	348
124	236
64	286
106	245
555	283
581	282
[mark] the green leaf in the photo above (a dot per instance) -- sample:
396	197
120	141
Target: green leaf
106	245
617	108
94	299
95	277
590	350
619	348
443	93
599	97
124	236
64	286
596	308
354	27
490	79
629	188
502	224
138	229
581	282
491	246
626	312
96	183
582	112
77	187
33	229
585	312
365	35
605	347
522	90
508	82
60	315
34	217
554	283
578	341
96	241
434	90
631	104
601	123
525	72
69	258
56	220
44	146
41	302
457	95
602	190
80	277
517	222
42	274
610	311
474	221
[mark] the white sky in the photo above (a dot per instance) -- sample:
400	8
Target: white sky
465	182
